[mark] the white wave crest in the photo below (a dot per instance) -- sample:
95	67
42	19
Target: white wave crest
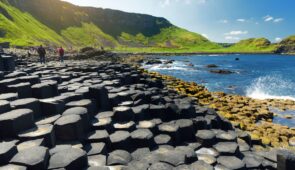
271	87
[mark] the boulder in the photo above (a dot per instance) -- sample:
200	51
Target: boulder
33	158
15	121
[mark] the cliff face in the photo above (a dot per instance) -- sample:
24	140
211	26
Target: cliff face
287	45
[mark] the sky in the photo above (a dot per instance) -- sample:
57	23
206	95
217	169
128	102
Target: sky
218	20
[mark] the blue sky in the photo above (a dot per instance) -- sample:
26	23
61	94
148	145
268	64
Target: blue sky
219	20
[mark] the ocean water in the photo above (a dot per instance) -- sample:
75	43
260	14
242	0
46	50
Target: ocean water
256	76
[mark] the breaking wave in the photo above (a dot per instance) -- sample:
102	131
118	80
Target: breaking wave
271	87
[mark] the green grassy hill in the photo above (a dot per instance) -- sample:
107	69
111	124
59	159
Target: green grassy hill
55	23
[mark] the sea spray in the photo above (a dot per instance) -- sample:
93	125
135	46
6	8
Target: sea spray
271	87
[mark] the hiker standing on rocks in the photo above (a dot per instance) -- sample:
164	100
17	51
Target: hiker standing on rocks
42	52
61	53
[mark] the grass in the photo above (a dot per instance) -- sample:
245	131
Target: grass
24	30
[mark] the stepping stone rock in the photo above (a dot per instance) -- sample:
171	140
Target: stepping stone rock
140	153
7	151
227	148
83	113
22	89
206	137
123	113
69	128
41	131
28	103
98	136
127	126
119	157
95	148
120	140
186	129
190	155
86	103
142	138
100	93
160	166
29	144
97	160
33	158
48	120
207	151
4	106
13	167
209	159
102	124
201	165
163	139
286	159
172	157
71	158
231	162
42	91
252	162
13	122
9	96
52	106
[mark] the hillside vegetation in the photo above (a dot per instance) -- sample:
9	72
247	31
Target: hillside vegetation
55	23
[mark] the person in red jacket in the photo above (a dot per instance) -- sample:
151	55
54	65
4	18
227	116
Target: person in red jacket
61	53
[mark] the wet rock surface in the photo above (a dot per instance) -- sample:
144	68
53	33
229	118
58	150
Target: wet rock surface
103	115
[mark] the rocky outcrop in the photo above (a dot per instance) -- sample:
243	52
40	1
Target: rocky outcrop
107	115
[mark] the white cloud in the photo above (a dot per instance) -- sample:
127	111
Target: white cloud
224	21
241	20
277	20
236	33
268	18
278	39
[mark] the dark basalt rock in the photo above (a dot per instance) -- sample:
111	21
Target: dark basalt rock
163	139
227	148
206	137
30	143
82	112
119	157
71	158
100	93
7	151
13	122
9	96
123	113
140	153
286	159
120	140
13	167
201	165
95	148
4	106
69	128
222	71
160	166
142	138
33	158
42	131
231	162
52	106
22	89
28	103
172	157
98	136
86	103
97	160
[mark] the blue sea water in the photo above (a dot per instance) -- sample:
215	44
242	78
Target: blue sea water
256	76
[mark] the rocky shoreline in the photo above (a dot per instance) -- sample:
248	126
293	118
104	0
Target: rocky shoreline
109	115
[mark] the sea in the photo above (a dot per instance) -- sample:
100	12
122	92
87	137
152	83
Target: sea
260	76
